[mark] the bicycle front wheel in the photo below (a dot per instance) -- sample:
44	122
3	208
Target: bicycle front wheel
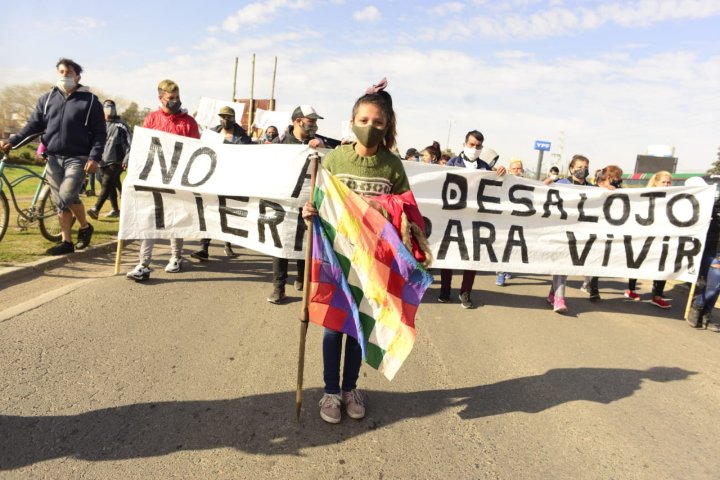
4	214
48	220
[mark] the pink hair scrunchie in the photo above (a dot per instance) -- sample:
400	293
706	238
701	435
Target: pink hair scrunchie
381	85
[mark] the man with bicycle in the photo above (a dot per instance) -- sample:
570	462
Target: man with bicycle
72	122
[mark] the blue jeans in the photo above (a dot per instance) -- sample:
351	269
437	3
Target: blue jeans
708	295
65	176
332	349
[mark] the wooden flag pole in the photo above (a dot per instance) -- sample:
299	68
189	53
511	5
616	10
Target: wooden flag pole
304	312
118	256
690	300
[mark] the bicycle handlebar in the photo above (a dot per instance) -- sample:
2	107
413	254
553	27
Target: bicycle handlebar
27	140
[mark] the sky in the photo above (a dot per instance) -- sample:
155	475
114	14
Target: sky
605	79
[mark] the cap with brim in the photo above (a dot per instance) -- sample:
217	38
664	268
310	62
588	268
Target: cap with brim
305	111
227	111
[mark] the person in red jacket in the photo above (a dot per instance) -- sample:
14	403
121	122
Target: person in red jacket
170	118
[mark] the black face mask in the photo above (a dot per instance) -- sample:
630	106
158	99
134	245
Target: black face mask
616	183
581	173
174	106
271	136
228	123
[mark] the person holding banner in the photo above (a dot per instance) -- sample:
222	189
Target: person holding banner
660	179
170	118
468	158
707	289
608	178
515	167
232	134
369	168
302	131
579	171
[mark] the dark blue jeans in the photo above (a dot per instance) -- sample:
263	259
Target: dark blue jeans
332	349
706	296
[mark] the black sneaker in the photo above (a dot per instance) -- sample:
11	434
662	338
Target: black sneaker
277	296
444	297
594	296
62	248
229	251
84	236
92	213
298	285
201	255
465	301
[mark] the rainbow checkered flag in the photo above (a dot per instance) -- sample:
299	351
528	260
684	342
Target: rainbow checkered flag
363	281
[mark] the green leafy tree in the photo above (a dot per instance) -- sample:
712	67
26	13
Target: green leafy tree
133	116
715	169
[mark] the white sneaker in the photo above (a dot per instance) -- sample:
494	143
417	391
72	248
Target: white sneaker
139	273
174	265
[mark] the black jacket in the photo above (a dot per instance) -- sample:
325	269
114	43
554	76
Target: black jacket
72	126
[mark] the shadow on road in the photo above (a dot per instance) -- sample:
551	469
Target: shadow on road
265	424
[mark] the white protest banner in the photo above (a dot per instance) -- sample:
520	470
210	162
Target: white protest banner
480	221
249	195
252	195
208	109
267	118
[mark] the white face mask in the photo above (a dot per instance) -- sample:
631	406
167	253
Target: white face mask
553	176
66	84
471	153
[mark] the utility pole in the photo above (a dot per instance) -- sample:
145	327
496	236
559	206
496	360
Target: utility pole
234	80
252	99
447	144
272	91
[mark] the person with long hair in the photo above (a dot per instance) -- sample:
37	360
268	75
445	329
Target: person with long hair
661	179
369	168
579	171
431	153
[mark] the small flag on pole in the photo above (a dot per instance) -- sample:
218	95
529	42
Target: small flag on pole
363	281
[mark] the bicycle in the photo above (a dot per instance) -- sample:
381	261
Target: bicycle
42	208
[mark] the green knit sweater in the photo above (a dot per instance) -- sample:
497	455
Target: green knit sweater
370	176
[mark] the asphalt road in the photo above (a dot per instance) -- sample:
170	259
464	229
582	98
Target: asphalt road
192	375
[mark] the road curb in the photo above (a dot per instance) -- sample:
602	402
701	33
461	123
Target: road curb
37	267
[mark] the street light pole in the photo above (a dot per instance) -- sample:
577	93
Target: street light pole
447	144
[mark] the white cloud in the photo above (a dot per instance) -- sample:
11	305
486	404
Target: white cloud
260	12
566	20
367	14
81	25
447	8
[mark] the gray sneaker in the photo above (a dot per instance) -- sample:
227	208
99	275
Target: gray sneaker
330	408
354	404
465	301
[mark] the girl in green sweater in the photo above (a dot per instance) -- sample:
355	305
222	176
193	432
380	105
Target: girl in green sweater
369	168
